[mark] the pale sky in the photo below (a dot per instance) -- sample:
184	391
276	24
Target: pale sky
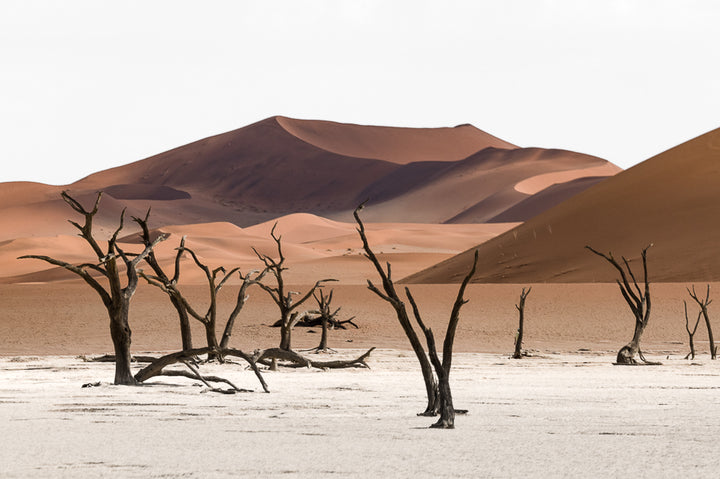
90	84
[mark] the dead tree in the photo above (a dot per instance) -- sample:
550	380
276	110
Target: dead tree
209	318
157	367
292	359
703	304
638	300
521	309
327	320
282	298
691	334
115	297
438	390
172	292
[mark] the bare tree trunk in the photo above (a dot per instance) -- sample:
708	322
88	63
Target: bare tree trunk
115	297
627	353
162	278
323	346
281	297
184	319
704	303
446	409
691	334
638	300
438	392
286	333
390	295
212	341
521	309
121	338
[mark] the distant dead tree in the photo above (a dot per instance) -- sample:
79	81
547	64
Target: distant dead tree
703	304
289	317
115	297
639	302
327	319
215	284
521	309
282	298
169	282
691	334
438	390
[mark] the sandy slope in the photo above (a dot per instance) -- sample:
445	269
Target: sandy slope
280	166
315	248
555	416
397	145
668	200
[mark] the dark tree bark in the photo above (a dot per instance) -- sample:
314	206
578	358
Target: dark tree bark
438	391
703	304
282	298
638	300
521	310
172	292
116	297
209	318
327	319
390	295
156	368
269	357
691	334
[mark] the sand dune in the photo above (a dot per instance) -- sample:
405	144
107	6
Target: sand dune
670	200
536	184
475	189
279	166
397	145
315	247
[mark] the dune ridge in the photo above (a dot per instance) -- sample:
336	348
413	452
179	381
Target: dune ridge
280	166
668	200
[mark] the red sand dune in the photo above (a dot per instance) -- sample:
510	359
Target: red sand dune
280	166
671	200
396	145
315	248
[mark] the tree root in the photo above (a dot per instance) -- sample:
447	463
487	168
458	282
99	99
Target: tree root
291	359
319	350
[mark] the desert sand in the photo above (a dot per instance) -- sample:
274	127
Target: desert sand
280	166
563	411
667	200
549	416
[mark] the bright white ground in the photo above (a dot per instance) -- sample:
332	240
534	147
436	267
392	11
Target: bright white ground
551	416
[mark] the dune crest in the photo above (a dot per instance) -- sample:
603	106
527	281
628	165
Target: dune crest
536	184
394	144
669	200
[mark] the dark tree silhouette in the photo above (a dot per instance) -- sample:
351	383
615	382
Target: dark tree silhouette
703	303
115	297
283	298
289	317
438	390
157	367
691	334
216	279
327	319
638	300
521	310
169	282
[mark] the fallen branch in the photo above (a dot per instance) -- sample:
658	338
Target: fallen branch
294	360
156	368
